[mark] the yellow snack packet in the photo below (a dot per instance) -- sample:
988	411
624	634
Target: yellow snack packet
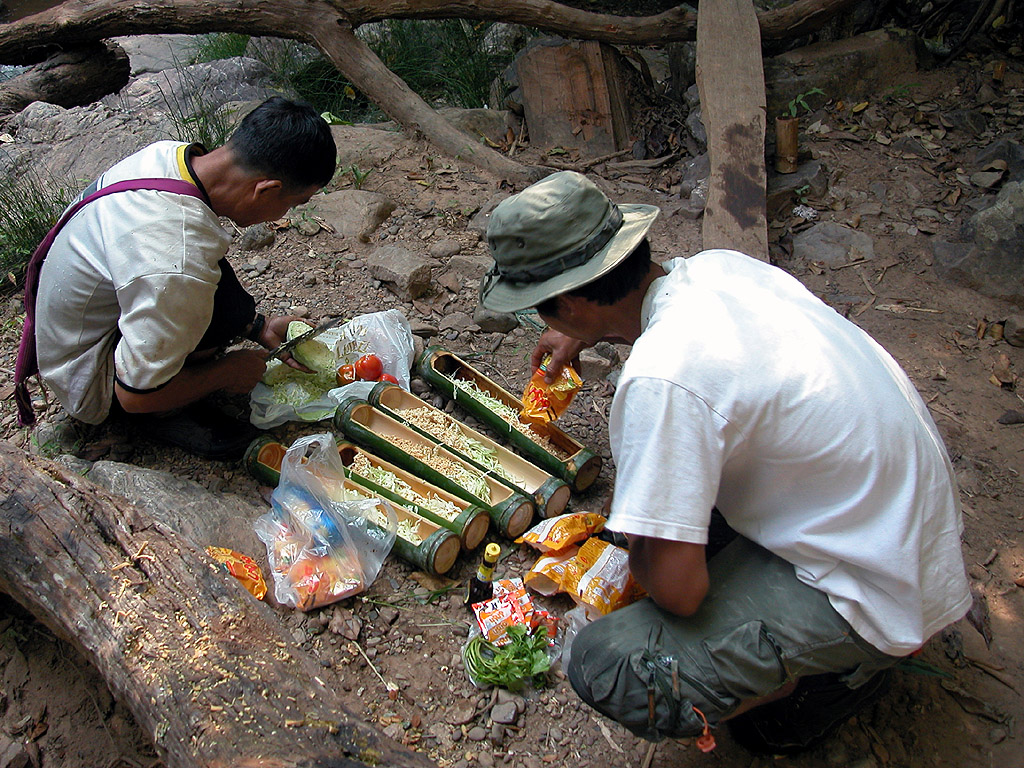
242	567
557	533
543	402
547	573
599	578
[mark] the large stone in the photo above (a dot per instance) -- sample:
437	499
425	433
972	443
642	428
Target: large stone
479	124
470	265
155	53
786	189
495	322
406	274
994	265
1007	150
352	212
366	147
853	68
832	244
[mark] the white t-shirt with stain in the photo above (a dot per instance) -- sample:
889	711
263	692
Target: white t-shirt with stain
748	393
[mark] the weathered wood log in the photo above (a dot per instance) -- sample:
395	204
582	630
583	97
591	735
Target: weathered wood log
329	25
730	78
69	79
206	670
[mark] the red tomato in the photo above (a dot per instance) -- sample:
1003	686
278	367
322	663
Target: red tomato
346	374
389	378
369	368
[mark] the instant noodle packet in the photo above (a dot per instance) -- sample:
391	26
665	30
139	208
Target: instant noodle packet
242	567
547	573
516	589
598	578
557	533
495	616
543	402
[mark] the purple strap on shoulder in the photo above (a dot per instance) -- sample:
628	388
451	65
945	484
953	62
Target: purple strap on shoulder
27	364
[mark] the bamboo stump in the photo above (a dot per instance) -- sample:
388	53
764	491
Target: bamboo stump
206	670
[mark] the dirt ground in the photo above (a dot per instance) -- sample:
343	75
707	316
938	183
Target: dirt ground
960	709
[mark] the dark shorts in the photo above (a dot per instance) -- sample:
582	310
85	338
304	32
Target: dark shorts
758	628
233	311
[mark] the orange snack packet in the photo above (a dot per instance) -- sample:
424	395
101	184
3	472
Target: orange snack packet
242	567
599	578
547	573
496	615
557	533
543	402
516	589
322	580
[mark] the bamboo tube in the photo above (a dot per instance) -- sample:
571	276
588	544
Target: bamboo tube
787	149
570	460
550	494
510	510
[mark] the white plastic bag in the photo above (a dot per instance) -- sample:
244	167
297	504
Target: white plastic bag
386	334
321	546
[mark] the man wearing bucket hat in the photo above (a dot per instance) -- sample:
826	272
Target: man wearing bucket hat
744	398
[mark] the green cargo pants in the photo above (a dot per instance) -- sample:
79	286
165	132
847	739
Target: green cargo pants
758	628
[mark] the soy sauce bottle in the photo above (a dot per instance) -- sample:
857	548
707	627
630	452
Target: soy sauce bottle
480	587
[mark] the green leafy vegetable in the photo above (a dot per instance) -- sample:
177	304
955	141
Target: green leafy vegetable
521	661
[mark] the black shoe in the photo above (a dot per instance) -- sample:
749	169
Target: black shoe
202	430
805	718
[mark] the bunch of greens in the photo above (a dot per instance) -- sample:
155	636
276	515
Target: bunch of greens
523	660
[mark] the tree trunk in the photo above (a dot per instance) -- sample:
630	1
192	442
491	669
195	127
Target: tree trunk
328	24
206	670
69	79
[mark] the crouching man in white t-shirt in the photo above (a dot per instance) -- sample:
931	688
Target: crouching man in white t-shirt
136	300
745	395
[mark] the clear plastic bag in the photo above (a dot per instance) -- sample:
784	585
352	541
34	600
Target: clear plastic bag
321	545
386	334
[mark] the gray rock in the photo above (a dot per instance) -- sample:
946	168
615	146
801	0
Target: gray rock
506	713
853	68
444	249
406	274
423	329
833	244
695	126
994	265
782	192
492	124
256	237
476	733
366	146
596	364
967	121
155	53
494	322
351	212
470	266
1002	149
457	321
1013	330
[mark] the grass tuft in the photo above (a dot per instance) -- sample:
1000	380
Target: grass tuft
29	207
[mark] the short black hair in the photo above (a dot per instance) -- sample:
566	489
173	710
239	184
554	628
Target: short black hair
612	286
288	141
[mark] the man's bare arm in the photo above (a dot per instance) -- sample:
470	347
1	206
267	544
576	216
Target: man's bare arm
674	573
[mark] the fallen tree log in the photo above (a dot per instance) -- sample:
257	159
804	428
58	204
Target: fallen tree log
206	670
330	25
69	79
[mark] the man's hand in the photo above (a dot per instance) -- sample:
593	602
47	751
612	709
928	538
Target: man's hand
275	331
674	573
564	350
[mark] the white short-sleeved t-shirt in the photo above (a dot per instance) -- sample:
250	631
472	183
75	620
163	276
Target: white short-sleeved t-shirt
127	288
747	393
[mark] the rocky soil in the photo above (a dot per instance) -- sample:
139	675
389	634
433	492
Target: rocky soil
897	171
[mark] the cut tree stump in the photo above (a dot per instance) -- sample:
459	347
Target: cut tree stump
205	668
574	97
730	79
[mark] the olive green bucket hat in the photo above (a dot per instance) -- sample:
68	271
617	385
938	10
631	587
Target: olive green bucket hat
556	235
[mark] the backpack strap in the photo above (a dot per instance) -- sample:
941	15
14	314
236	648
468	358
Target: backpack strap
27	363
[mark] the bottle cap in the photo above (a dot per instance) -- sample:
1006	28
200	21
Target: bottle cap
492	552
